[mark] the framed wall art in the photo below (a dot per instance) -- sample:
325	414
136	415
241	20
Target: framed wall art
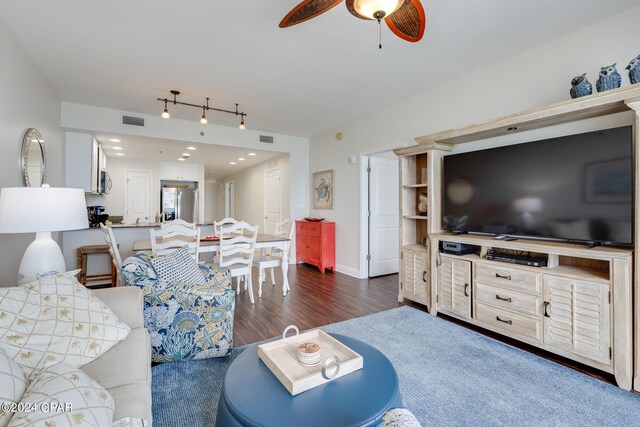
322	189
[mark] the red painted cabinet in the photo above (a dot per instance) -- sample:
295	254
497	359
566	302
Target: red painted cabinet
316	244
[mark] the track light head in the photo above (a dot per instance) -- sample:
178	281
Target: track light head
242	126
203	119
165	112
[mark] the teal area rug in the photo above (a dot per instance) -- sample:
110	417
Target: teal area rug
448	375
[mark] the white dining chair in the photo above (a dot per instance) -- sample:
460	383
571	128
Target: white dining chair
114	251
237	252
272	260
218	224
173	235
181	222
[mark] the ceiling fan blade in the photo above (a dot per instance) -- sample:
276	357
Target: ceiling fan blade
306	10
408	22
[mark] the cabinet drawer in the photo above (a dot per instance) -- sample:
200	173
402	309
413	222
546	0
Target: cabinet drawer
511	323
314	229
508	277
510	299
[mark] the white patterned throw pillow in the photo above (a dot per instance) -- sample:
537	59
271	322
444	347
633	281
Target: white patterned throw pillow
399	417
178	266
56	319
12	386
64	396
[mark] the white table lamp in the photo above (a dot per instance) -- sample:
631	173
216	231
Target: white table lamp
41	210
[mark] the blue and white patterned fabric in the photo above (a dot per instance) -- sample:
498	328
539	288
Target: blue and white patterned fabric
178	266
185	320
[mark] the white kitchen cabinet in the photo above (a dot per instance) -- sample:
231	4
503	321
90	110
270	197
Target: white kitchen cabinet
180	171
82	154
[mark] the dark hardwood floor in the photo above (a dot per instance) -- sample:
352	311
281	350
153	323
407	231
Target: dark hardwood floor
315	299
318	299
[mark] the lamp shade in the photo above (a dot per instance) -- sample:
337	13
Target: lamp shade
42	209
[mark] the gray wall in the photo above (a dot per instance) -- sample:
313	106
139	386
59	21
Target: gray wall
26	101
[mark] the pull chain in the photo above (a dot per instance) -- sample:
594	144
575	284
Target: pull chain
379	34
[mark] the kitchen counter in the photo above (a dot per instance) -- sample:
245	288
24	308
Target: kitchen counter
125	234
150	224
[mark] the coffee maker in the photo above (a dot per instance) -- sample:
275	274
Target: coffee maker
96	215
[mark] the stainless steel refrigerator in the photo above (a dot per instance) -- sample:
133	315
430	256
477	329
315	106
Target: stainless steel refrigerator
180	203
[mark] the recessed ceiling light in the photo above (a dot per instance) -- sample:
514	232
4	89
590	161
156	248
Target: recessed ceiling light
182	159
191	148
119	154
232	163
114	140
252	154
186	154
117	148
242	159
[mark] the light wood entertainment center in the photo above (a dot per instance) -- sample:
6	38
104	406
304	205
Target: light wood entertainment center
580	306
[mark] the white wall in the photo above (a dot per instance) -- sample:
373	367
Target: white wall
118	167
104	120
27	101
534	78
249	190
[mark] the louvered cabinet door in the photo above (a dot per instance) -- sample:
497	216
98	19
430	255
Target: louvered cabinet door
454	286
415	276
577	317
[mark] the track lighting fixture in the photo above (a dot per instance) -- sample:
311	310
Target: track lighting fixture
205	108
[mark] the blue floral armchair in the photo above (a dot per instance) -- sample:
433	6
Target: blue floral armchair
185	321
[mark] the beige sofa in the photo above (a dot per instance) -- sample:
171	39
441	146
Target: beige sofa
125	370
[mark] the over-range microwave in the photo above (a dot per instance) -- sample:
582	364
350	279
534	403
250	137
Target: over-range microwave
105	182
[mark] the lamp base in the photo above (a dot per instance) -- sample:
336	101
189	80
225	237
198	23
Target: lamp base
43	257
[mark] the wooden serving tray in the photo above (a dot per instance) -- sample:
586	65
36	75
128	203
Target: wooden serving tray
281	357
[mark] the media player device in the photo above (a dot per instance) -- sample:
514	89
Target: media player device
455	248
534	261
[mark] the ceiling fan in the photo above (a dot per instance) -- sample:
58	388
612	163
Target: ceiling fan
405	18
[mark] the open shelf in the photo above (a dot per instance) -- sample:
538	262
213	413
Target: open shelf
414	186
422	217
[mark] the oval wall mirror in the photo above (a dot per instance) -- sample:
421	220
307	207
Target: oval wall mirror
34	159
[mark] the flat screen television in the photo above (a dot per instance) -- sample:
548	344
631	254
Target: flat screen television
571	188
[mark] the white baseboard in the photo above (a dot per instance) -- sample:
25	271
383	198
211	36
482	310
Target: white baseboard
349	271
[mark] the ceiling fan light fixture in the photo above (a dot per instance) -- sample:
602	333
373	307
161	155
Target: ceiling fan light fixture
377	9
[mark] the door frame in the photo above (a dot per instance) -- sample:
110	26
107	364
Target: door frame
264	195
229	188
363	217
126	191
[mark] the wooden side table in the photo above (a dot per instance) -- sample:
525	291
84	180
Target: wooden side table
82	253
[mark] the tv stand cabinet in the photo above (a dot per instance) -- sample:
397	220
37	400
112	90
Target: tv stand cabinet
579	306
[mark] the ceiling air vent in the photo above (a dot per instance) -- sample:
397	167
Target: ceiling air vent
133	121
266	139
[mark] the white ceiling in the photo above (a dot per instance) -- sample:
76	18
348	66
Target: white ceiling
303	80
216	158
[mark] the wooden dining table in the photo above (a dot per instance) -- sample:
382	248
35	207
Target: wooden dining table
263	241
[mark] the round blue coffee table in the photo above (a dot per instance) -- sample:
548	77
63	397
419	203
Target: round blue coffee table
253	396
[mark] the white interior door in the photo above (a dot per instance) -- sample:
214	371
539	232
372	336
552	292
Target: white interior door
272	200
384	221
228	199
138	196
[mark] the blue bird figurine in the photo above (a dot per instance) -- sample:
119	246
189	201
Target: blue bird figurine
634	70
609	78
580	86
